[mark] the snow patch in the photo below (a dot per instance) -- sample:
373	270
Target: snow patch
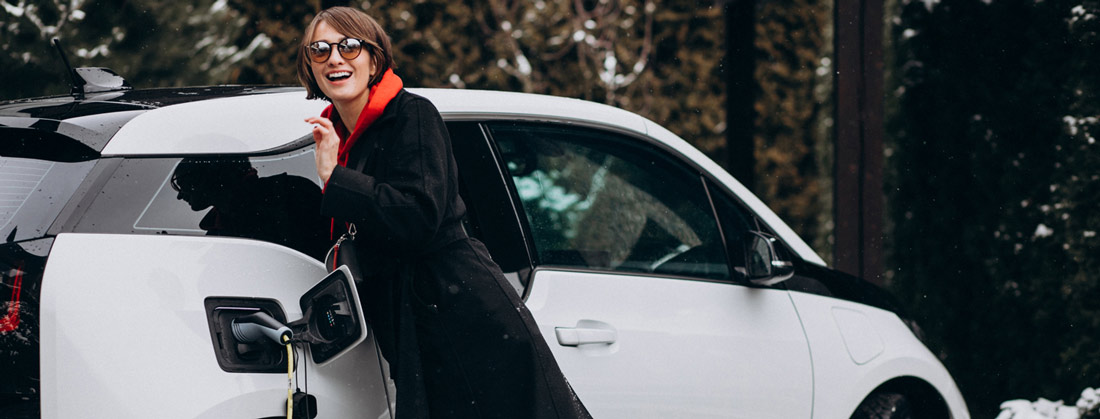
1042	231
456	81
523	65
1089	403
218	6
14	10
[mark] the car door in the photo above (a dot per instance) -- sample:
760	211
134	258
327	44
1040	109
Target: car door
633	289
160	248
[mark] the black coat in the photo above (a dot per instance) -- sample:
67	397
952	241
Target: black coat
458	338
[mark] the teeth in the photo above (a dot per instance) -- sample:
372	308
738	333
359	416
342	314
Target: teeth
339	75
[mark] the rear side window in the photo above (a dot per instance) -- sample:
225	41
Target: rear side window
33	192
597	200
273	198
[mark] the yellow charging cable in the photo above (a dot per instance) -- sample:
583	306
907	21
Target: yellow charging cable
289	378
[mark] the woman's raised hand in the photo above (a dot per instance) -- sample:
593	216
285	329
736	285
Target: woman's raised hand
328	146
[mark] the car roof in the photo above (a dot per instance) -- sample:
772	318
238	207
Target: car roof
263	122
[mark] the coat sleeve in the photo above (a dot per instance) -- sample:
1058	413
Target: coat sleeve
404	206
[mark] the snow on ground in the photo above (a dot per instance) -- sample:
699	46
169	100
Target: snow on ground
1088	406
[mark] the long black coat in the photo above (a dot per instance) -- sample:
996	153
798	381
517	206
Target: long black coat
459	340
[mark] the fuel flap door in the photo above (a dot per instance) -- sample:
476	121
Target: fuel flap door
332	320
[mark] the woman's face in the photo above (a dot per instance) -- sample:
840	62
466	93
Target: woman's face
343	81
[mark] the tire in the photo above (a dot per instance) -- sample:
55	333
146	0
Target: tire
884	405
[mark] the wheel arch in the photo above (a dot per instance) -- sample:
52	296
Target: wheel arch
925	400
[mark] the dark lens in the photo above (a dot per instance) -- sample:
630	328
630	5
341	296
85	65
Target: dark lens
319	51
349	48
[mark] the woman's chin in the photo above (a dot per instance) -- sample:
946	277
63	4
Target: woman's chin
342	96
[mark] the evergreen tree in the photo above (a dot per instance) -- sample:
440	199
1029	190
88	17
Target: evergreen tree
659	59
978	189
156	43
793	156
1073	217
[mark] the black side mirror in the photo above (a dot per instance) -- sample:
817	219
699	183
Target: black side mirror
762	263
332	319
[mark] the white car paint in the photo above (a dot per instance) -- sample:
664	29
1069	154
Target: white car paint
240	124
841	381
769	351
124	330
682	348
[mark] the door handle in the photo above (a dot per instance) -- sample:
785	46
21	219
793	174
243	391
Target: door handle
586	332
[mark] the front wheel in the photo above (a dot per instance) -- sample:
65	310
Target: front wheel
884	405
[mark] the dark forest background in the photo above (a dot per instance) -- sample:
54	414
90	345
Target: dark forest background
993	171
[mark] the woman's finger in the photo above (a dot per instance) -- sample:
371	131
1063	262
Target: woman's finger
321	127
327	145
320	120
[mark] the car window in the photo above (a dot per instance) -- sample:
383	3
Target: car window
737	222
33	192
272	198
602	201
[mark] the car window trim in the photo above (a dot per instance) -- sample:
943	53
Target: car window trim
563	268
734	277
514	204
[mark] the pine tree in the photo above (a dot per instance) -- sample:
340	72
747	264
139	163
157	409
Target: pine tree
978	191
156	43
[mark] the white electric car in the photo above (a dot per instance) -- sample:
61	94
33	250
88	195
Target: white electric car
133	219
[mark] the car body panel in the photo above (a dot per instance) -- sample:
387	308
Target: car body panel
683	348
458	104
233	125
135	341
828	325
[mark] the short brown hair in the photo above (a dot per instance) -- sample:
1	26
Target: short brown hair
355	24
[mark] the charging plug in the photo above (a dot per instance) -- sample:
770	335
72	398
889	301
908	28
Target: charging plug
305	405
258	325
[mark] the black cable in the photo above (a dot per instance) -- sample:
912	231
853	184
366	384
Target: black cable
382	373
305	374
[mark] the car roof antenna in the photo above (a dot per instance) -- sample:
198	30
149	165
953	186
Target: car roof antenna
75	81
90	79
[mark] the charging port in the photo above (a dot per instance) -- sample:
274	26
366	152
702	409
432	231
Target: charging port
259	356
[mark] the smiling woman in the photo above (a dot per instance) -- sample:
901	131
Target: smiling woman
458	338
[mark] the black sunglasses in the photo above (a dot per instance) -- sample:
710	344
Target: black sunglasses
349	49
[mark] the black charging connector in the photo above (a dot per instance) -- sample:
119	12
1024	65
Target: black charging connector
258	325
305	405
